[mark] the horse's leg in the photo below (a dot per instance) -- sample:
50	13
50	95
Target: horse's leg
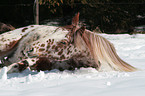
22	65
43	63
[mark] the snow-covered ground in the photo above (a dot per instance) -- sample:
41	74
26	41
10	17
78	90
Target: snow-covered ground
84	82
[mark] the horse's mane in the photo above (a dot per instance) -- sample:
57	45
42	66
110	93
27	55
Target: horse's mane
102	51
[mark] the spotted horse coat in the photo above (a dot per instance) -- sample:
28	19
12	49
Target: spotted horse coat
42	47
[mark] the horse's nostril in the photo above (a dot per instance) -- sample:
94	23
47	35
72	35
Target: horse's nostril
26	64
23	65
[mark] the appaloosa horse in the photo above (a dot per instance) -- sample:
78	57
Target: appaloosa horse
42	47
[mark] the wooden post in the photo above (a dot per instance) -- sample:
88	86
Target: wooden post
37	13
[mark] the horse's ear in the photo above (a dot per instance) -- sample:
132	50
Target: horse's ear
75	19
75	22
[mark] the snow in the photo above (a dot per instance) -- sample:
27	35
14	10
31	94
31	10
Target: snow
85	81
3	74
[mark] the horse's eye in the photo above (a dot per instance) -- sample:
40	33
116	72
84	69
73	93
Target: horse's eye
63	42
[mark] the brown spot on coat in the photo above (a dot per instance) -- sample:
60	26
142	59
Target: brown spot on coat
48	46
56	49
37	43
69	52
33	60
49	52
42	45
23	30
40	50
65	47
49	40
59	53
53	46
52	41
60	45
62	57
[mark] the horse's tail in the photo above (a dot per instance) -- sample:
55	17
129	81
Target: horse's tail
102	51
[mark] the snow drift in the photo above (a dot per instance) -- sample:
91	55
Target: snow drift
86	81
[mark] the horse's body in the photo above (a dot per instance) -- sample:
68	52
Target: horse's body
43	47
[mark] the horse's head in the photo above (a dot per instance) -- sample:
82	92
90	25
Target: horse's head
18	67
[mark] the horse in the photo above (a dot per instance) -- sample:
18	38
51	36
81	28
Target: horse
42	47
